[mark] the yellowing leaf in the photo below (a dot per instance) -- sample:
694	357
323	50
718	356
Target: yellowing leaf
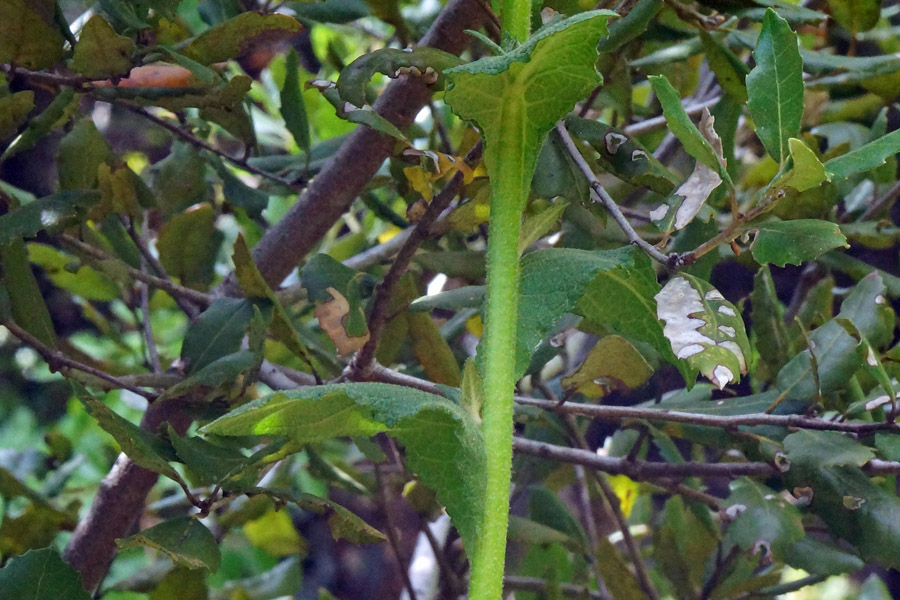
274	532
26	39
331	317
627	491
612	364
101	52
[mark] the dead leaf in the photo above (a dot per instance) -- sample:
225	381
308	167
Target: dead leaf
331	317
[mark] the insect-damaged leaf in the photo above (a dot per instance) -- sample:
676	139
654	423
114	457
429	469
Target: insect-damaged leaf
338	293
612	364
427	63
684	204
704	328
431	427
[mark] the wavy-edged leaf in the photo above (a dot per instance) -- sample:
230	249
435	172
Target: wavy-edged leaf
427	63
517	97
444	445
185	540
188	245
101	52
794	242
343	523
863	158
49	212
816	449
704	328
775	86
764	521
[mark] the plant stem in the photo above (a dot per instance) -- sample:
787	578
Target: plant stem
510	188
516	18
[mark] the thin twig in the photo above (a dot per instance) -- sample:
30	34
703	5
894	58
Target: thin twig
392	533
886	201
619	413
612	500
57	361
642	470
446	569
145	321
364	360
606	200
170	287
195	141
655	123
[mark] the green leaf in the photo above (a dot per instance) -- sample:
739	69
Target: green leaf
141	446
556	173
764	520
49	212
856	15
541	224
216	333
27	39
704	328
181	179
837	354
427	63
66	272
343	523
238	193
80	154
432	428
681	126
210	464
855	509
220	372
188	245
864	158
516	98
322	272
547	509
623	157
293	107
820	558
816	449
795	242
681	545
25	300
233	37
428	344
181	584
349	112
185	540
14	110
254	285
775	86
55	115
101	52
558	281
41	575
470	296
730	70
771	338
807	172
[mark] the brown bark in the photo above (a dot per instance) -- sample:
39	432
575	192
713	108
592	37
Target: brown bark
330	194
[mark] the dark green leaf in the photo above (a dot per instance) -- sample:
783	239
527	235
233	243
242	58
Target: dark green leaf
79	155
431	427
188	245
470	296
856	15
293	107
816	449
26	303
216	333
48	212
730	70
14	110
55	115
775	86
819	558
763	520
770	333
864	158
41	575
185	540
795	242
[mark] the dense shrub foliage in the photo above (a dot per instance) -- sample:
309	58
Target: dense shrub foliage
382	299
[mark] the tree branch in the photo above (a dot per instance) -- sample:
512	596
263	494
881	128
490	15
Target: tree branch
337	185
